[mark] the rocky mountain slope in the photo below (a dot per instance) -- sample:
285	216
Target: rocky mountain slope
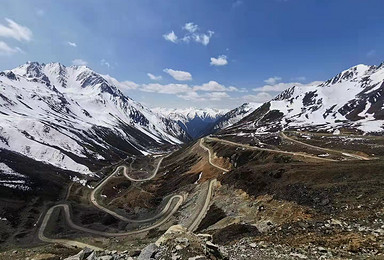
234	116
75	119
196	122
351	101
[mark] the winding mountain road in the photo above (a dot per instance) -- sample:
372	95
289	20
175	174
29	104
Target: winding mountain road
196	222
359	157
269	150
65	207
210	156
144	179
101	184
65	242
180	199
68	218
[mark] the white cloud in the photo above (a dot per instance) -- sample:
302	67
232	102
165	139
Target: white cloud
128	85
5	49
258	98
219	61
72	44
202	37
191	27
215	96
272	80
283	86
212	96
192	34
124	85
79	62
15	31
179	75
214	86
210	86
153	77
172	37
191	96
165	89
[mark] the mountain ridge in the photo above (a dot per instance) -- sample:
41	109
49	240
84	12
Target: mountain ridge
77	119
196	122
353	99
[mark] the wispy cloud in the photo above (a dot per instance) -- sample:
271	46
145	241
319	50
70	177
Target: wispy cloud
171	37
258	98
192	34
214	86
273	80
79	62
153	77
5	49
72	44
191	27
124	85
104	62
212	96
215	96
219	61
179	74
15	31
211	91
371	53
165	89
203	38
237	3
301	78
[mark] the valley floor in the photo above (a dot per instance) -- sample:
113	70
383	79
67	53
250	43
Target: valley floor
289	195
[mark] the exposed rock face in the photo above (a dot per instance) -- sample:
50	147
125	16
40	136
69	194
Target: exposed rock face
176	243
352	100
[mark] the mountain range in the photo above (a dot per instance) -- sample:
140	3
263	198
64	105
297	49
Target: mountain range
196	122
75	119
352	100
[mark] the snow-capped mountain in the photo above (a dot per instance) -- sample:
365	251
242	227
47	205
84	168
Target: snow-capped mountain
76	119
353	99
195	121
235	115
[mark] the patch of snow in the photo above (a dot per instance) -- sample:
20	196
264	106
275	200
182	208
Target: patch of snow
200	174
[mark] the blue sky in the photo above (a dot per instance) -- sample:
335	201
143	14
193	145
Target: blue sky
227	52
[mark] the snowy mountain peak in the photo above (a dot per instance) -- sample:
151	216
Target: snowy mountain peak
195	121
354	74
353	99
191	112
235	115
72	116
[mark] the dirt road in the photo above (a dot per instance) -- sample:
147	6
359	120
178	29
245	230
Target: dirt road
65	207
116	215
210	156
359	157
195	224
246	146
